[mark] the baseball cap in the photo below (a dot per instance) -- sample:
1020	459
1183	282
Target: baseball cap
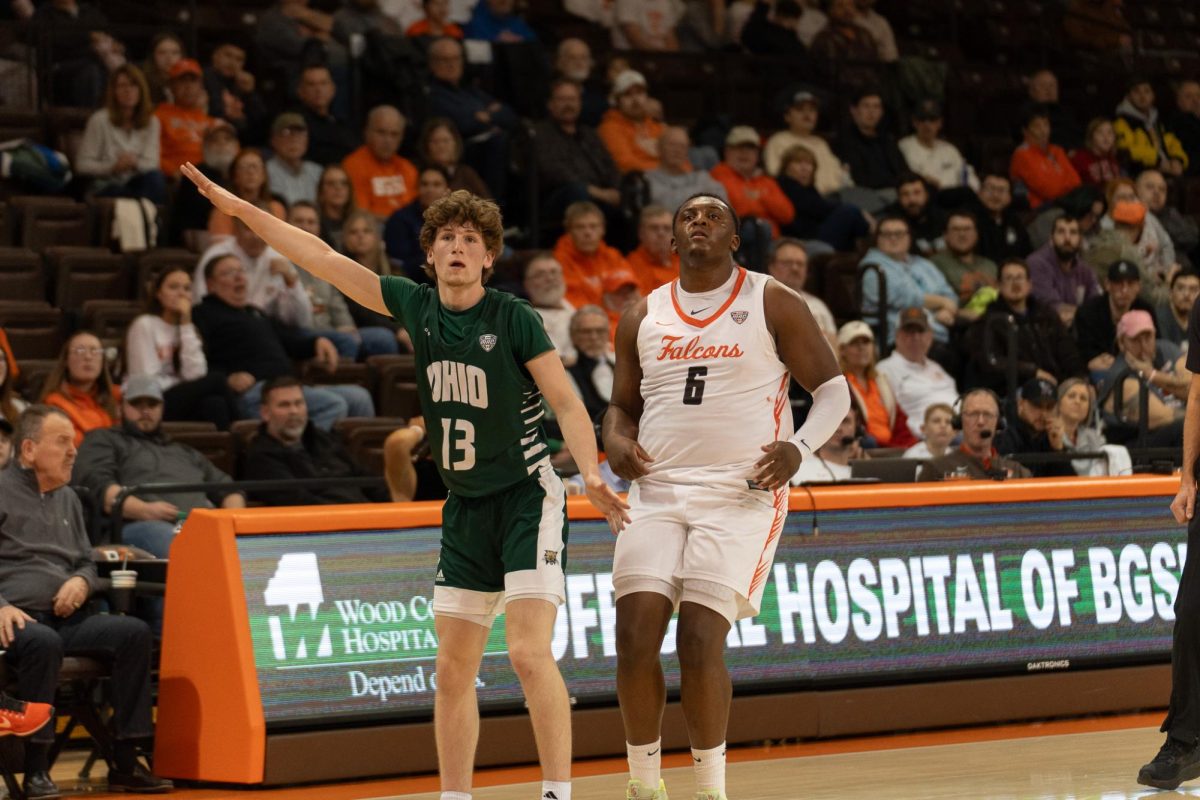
742	135
618	279
185	66
1039	391
142	386
855	329
804	96
1129	212
626	81
288	120
913	317
1124	271
1134	322
927	109
220	126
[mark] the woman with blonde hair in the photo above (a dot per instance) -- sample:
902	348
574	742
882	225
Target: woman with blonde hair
885	422
120	145
362	242
82	387
1076	414
335	203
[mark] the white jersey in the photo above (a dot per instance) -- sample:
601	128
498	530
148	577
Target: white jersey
713	386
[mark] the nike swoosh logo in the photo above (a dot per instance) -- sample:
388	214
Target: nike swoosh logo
698	310
653	752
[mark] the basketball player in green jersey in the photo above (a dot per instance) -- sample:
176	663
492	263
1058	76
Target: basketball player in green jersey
484	363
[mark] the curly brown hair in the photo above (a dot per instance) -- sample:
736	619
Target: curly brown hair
463	208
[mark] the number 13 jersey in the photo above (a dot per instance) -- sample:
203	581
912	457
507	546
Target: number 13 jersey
483	411
713	387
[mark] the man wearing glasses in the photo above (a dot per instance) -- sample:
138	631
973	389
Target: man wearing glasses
976	458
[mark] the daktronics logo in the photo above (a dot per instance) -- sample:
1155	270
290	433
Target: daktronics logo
296	583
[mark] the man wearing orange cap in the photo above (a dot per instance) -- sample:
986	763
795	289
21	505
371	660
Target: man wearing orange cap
584	256
1161	366
184	121
621	290
653	262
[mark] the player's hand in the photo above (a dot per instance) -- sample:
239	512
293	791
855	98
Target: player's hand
326	354
627	458
158	510
12	619
71	595
1184	504
777	467
614	509
225	202
240	381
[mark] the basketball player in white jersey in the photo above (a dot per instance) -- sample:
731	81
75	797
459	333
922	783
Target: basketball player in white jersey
700	422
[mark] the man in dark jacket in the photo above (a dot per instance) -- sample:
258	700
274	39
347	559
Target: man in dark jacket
47	578
1001	233
1035	428
1096	320
136	451
289	446
1045	348
871	152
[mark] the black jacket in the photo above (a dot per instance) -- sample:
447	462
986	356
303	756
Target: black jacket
247	340
1094	327
875	162
564	158
1043	342
1018	437
1004	239
319	455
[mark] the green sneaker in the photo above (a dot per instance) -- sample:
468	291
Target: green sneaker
711	794
636	790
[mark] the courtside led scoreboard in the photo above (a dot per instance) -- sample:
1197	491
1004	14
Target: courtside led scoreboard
323	618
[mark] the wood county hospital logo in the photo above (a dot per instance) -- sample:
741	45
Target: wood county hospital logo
487	342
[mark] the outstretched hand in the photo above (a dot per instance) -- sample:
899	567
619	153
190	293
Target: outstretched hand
225	202
614	509
1184	504
777	467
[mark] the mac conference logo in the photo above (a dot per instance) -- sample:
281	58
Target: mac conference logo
296	583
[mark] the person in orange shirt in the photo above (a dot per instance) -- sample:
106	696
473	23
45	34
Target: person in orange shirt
436	22
752	192
81	386
584	256
1043	168
628	131
384	182
183	122
653	262
621	290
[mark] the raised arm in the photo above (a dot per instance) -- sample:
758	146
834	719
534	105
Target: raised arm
301	248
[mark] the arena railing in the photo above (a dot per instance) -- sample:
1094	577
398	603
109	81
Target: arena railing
117	521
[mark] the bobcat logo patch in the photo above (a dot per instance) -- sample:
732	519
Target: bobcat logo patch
550	556
487	342
739	316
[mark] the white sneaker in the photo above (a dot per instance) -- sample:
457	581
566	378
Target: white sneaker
636	790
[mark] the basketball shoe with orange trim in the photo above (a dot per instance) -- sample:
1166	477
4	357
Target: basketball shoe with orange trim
19	718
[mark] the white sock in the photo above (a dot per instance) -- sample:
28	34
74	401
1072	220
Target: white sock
456	796
556	790
645	762
710	768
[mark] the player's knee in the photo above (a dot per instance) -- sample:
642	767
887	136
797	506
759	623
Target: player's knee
634	645
455	671
530	658
698	643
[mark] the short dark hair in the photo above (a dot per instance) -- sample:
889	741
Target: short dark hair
1032	112
304	204
737	222
886	218
1183	273
210	266
965	213
864	92
1020	262
905	178
279	382
1064	218
782	242
438	168
994	173
29	424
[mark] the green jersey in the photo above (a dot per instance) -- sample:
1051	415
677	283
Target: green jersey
483	411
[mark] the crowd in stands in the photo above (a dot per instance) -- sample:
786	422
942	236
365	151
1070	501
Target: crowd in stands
350	119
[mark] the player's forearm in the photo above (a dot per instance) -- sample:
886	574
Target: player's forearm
580	436
617	422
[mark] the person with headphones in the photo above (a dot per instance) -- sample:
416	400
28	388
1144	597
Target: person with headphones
831	462
976	458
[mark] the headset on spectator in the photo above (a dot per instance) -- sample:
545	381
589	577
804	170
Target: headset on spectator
956	420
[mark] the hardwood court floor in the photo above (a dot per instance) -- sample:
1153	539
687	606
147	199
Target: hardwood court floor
1068	760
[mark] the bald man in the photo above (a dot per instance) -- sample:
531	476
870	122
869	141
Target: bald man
384	182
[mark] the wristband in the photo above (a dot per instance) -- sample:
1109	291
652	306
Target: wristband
831	401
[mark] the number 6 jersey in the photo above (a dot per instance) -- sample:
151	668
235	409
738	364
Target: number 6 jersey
713	386
483	411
